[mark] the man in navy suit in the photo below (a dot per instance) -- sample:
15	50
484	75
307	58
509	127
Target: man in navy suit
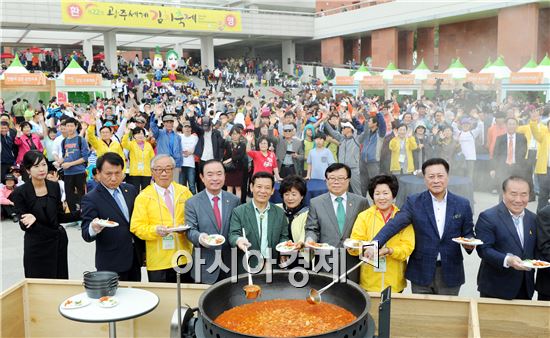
117	249
508	232
209	212
437	216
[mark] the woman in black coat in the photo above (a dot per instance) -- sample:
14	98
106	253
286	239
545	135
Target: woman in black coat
234	161
40	211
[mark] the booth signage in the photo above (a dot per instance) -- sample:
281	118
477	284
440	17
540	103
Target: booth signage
400	79
82	79
344	80
147	16
526	78
480	78
447	78
371	81
30	79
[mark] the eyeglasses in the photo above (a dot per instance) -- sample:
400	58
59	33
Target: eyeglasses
337	179
288	130
162	170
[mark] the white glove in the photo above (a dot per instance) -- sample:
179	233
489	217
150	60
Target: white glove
203	240
243	244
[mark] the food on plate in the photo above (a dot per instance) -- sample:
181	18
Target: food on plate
215	240
271	318
464	239
321	246
287	246
108	301
534	263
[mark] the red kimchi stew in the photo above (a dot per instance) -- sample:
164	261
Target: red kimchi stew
285	318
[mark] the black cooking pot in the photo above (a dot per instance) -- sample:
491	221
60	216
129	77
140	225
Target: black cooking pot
225	295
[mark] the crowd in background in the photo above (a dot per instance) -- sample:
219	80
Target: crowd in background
298	133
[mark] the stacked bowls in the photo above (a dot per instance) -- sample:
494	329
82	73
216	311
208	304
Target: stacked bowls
100	283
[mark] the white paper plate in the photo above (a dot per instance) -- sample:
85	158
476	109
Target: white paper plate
319	246
75	302
107	223
475	242
285	248
179	228
353	244
530	263
215	240
110	302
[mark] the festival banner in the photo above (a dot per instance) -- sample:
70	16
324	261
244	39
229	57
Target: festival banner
403	79
432	78
28	79
480	78
82	79
527	78
376	81
344	80
147	16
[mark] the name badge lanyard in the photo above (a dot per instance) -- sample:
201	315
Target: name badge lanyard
173	217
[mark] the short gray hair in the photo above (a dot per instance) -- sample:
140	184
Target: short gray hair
158	157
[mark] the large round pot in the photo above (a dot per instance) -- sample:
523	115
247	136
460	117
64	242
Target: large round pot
225	295
100	276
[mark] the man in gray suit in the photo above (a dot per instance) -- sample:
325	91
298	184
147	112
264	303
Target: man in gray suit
290	152
208	213
332	215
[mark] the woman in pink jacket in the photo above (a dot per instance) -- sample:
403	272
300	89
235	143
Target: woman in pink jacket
25	141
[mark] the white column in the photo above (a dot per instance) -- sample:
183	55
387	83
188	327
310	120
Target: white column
109	41
178	47
88	52
207	51
289	56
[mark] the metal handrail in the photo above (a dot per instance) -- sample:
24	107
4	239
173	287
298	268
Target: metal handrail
184	4
346	66
349	7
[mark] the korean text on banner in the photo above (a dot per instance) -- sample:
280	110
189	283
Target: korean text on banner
146	16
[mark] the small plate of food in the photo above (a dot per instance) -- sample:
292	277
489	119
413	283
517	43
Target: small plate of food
468	241
106	223
353	245
108	301
287	247
536	264
319	246
179	228
215	240
76	302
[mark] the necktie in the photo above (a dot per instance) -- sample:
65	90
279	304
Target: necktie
340	214
121	204
263	236
510	157
217	213
518	230
168	201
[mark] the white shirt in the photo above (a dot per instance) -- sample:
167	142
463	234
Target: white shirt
188	143
335	204
513	138
160	190
207	151
57	151
440	211
519	230
210	197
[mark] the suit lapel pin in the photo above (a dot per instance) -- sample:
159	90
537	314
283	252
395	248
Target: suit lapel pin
125	190
530	232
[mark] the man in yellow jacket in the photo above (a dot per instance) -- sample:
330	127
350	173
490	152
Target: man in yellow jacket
157	209
542	167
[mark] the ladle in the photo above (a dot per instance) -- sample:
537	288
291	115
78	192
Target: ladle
251	291
314	296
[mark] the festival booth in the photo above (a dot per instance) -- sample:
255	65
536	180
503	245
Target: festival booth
78	86
16	81
529	79
31	309
404	84
345	85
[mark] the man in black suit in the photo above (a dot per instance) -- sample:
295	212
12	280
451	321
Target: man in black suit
509	156
543	247
117	249
209	146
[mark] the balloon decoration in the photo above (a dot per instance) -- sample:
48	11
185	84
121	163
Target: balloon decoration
158	64
172	64
329	73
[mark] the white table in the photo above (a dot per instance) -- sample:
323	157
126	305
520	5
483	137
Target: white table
132	303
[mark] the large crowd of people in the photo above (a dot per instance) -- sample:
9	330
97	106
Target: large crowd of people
161	155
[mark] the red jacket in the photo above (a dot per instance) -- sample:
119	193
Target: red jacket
24	144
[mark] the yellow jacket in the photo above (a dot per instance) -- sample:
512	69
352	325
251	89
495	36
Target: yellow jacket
395	147
102	147
138	156
367	225
542	135
526	130
150	210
